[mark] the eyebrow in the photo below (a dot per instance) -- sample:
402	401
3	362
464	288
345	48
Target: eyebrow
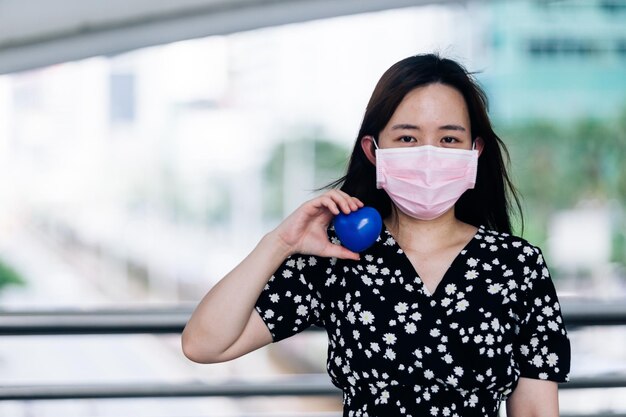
407	126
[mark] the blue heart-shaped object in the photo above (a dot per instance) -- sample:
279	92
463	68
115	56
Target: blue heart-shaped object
358	230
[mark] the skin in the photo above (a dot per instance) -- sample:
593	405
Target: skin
436	115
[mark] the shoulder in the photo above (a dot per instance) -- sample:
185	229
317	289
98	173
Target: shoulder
508	244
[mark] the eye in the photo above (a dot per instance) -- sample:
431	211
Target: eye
407	139
450	140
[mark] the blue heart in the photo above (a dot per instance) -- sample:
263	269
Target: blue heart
358	230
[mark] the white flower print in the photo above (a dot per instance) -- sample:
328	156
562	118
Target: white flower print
330	281
471	262
534	342
553	326
274	298
494	288
462	305
366	280
451	380
302	310
537	361
366	317
548	311
300	264
390	338
543	375
401	308
390	354
428	374
350	317
372	269
410	328
434	411
450	289
269	314
384	396
435	332
552	359
384	271
458	371
495	324
356	334
287	273
471	274
375	347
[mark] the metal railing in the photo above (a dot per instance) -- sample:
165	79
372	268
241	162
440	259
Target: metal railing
172	320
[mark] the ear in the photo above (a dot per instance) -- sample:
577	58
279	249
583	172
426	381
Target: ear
480	145
367	144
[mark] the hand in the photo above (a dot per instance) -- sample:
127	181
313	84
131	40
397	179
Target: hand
304	231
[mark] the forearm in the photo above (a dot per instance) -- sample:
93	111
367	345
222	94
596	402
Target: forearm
533	398
221	317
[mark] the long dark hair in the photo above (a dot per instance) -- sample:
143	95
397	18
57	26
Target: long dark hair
489	202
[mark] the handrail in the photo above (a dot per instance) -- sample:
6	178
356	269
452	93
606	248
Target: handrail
302	385
165	320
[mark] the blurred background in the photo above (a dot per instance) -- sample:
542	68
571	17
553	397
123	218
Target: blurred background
145	147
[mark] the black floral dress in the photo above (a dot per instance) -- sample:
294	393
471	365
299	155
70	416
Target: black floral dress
397	350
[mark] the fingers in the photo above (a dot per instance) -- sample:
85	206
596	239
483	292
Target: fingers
337	251
337	201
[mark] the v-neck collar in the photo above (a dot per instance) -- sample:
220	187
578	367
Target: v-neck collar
461	254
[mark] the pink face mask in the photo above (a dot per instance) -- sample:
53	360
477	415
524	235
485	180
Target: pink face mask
425	181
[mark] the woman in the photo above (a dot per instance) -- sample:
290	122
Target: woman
447	313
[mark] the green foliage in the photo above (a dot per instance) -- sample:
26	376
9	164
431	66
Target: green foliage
8	276
557	165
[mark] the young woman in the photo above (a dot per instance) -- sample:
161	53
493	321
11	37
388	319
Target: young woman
447	313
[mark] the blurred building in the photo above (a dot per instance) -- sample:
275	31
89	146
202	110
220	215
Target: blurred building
556	59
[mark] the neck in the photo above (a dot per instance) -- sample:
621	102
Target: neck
424	235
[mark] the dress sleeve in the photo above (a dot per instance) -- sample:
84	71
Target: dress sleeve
290	302
543	345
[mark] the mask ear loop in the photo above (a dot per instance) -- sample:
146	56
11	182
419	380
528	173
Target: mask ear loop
374	140
474	144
